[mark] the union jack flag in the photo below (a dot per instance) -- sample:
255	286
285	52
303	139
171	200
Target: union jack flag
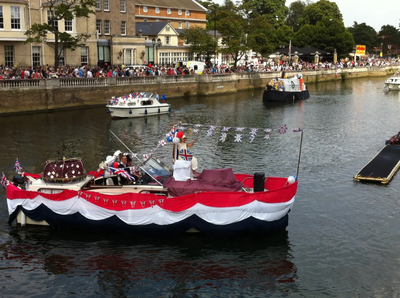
267	137
4	180
212	127
282	129
239	128
145	157
209	133
297	130
223	136
123	173
268	130
225	128
198	125
186	154
238	138
18	166
161	143
195	131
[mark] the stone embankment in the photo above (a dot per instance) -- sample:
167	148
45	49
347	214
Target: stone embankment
27	96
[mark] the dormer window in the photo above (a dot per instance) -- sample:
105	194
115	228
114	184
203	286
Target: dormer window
187	12
180	12
157	10
144	8
168	10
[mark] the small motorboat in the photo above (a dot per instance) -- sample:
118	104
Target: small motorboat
393	83
286	89
138	104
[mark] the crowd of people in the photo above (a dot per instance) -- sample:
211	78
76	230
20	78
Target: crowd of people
48	72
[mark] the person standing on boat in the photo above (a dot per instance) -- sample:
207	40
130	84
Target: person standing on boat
157	96
182	145
125	163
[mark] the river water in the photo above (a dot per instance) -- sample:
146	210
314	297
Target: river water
343	236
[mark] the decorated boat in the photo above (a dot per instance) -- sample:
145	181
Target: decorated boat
138	104
150	198
286	89
393	83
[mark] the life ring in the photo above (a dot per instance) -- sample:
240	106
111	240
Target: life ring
293	85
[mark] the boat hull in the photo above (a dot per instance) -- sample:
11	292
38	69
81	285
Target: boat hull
219	214
392	87
134	112
284	96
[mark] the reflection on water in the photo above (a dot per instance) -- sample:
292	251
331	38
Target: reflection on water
188	265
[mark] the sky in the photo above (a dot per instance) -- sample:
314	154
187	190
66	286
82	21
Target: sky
372	13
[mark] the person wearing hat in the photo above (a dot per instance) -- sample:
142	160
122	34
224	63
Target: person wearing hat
182	145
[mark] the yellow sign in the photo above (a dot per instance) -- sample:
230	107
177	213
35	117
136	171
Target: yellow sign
360	50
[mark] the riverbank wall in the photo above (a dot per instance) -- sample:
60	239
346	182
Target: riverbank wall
28	96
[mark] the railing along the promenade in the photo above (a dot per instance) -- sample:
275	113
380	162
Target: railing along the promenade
19	83
73	82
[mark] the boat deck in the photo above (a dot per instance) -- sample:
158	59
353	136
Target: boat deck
382	167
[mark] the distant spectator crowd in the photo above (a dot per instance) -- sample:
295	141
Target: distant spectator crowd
48	72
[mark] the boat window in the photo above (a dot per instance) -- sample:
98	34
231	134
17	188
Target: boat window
50	191
156	169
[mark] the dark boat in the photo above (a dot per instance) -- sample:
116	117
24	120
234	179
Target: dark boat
286	89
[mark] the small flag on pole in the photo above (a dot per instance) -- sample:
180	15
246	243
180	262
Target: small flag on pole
18	166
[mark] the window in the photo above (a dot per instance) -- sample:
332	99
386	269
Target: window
84	55
187	25
106	5
68	25
180	12
98	5
36	56
123	5
144	8
107	28
187	12
157	10
15	17
49	18
123	27
157	20
180	25
98	26
9	55
167	29
167	39
129	56
168	10
1	18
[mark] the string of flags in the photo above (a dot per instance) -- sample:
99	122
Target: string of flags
223	134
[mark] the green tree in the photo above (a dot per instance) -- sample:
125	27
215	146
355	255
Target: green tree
61	10
201	43
315	12
234	28
275	10
388	35
296	10
263	36
364	35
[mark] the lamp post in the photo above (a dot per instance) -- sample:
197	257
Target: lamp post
389	47
381	49
156	43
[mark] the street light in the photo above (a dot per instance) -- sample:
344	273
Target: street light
214	7
389	47
156	43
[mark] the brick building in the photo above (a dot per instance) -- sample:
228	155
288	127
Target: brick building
17	16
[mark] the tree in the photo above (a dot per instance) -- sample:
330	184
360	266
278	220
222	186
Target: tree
296	10
262	38
61	10
275	10
388	35
364	35
234	28
201	43
315	12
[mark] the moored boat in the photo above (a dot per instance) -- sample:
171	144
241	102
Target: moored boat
286	89
138	104
155	202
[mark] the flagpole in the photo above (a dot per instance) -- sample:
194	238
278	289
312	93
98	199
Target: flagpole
298	162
